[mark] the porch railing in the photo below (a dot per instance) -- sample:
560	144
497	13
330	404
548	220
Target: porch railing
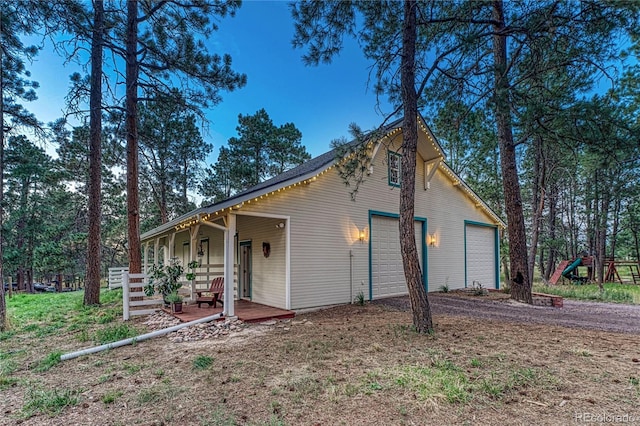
207	272
134	301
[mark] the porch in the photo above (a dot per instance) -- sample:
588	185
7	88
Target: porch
249	250
244	310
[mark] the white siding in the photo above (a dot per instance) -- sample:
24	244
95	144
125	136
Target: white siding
268	273
329	265
447	208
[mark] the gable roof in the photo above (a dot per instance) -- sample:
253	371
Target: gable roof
305	172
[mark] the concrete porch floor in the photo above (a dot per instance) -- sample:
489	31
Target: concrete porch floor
244	310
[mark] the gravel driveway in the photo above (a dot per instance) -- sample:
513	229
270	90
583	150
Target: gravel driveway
577	314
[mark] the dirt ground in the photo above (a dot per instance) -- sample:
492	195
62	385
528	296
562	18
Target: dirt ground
489	362
499	307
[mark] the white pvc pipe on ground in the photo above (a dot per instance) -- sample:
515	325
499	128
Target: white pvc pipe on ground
140	338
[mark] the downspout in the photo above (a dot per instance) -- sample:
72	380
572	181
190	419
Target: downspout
350	276
140	338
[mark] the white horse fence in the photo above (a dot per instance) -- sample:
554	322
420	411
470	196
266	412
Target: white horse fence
115	276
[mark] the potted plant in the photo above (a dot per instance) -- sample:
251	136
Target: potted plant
191	275
164	280
176	302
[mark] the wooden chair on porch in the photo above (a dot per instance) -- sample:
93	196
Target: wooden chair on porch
216	290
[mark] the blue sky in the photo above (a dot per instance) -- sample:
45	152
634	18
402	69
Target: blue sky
321	100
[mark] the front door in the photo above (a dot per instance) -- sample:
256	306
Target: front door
245	269
186	254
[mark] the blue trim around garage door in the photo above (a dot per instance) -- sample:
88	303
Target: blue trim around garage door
496	248
425	267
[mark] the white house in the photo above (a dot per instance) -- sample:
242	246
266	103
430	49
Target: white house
299	241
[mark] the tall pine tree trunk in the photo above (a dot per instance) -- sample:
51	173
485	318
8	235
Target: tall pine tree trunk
537	203
551	224
615	227
92	281
417	293
633	227
3	301
601	220
131	106
20	232
520	281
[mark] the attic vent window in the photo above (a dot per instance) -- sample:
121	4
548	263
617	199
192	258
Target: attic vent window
394	168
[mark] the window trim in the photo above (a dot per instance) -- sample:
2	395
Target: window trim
397	157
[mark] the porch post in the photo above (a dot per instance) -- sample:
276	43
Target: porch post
168	254
193	235
287	266
145	260
156	249
229	259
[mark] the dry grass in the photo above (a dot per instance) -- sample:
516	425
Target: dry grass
351	365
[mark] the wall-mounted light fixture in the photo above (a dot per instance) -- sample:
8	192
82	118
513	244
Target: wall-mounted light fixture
432	240
362	235
280	225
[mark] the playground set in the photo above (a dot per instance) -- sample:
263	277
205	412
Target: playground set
569	269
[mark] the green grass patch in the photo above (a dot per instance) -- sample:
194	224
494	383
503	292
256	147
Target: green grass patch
498	383
163	393
8	365
110	297
46	314
82	335
202	362
616	293
475	362
45	308
48	330
523	377
51	402
132	368
106	318
105	378
7	382
48	362
443	380
114	333
6	335
111	396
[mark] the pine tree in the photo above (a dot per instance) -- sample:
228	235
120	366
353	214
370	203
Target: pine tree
261	151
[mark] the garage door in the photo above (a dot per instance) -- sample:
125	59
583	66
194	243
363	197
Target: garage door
387	272
480	255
